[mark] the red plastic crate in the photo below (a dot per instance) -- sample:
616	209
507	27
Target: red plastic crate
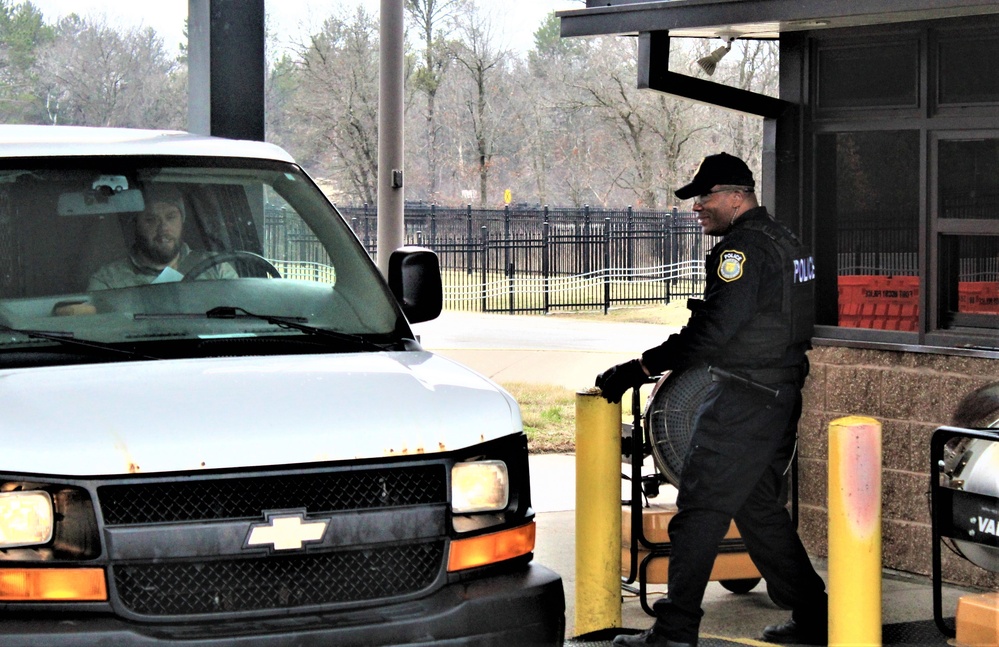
879	302
978	297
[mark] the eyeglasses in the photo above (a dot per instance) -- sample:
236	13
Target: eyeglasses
699	199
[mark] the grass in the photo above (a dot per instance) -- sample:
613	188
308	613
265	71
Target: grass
549	414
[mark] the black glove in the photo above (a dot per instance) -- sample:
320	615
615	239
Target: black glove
617	379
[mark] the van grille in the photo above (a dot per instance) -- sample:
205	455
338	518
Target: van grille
248	497
231	582
241	585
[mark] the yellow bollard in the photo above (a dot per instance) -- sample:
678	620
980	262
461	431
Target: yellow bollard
598	513
855	531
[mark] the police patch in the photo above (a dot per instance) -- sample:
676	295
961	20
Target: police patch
730	267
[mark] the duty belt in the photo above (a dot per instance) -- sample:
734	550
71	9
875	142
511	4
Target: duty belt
772	375
758	378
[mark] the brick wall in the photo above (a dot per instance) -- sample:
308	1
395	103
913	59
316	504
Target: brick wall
910	394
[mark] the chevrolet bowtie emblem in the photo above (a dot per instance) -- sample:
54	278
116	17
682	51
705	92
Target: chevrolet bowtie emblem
285	531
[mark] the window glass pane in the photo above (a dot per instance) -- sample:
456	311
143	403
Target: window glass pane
969	72
969	281
969	178
867	206
881	75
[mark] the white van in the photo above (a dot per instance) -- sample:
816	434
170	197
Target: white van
218	427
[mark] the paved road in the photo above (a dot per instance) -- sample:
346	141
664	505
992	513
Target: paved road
473	330
535	349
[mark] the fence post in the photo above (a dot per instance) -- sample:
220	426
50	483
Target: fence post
468	239
485	264
587	244
367	230
506	235
545	269
607	263
510	282
674	255
629	260
433	226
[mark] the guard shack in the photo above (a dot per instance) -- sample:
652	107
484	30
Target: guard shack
883	151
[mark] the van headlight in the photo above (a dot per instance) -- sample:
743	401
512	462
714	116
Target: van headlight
26	518
479	486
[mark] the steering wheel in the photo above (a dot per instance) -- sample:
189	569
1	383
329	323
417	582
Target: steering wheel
219	258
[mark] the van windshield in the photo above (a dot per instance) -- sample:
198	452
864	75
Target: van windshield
152	251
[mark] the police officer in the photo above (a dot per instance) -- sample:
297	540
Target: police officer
751	329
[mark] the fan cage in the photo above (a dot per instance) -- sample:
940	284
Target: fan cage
669	417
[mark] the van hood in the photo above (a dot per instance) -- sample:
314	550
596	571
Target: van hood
178	415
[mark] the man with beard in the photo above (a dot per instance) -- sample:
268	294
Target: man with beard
159	254
752	329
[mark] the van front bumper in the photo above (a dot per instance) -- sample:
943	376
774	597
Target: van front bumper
522	608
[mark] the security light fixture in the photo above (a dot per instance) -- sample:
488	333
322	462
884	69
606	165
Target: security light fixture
710	62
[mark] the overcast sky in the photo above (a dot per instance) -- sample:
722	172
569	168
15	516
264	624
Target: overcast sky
516	20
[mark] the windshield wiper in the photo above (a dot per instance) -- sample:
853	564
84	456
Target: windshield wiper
69	339
232	312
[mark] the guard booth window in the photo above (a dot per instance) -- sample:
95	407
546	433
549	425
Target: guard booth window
967	227
965	76
847	79
867	226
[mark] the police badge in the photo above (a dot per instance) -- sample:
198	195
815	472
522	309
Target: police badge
730	266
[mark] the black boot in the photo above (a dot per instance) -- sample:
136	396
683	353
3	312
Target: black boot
794	633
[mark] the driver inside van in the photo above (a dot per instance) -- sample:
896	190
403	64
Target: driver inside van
159	254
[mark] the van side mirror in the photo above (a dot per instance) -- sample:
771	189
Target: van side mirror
414	276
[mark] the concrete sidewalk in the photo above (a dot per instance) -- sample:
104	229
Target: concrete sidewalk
536	349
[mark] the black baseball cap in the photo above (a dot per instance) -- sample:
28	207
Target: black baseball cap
721	168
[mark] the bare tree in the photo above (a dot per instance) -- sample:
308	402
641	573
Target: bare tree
483	63
433	21
334	103
653	130
94	75
551	135
564	124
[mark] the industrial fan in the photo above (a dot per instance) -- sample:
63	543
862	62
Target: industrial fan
669	417
964	489
972	465
669	421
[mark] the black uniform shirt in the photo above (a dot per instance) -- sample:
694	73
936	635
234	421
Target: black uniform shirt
743	279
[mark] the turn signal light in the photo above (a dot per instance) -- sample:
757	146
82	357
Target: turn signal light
51	584
491	548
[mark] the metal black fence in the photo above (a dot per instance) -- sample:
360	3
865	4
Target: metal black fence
880	243
539	260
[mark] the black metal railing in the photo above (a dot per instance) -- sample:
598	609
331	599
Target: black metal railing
521	260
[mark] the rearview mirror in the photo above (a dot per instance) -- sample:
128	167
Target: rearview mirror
99	201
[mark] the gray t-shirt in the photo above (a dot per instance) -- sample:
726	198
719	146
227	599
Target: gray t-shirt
129	272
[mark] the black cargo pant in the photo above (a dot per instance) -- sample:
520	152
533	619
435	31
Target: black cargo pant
742	443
